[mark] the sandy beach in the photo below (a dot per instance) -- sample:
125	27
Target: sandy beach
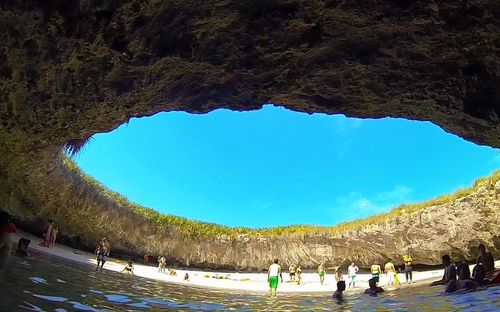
255	282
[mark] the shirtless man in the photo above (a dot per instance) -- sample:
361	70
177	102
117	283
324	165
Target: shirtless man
102	250
5	239
450	272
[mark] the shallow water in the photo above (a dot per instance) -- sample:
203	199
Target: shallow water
46	283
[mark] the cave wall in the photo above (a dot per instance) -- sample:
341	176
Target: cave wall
70	69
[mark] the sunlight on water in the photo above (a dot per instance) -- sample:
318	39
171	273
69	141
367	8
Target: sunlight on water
44	283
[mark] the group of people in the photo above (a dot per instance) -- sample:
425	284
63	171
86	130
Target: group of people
50	234
483	274
295	272
162	267
457	276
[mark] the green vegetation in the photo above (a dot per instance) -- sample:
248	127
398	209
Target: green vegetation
195	228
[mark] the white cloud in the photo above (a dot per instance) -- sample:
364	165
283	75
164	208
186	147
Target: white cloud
357	205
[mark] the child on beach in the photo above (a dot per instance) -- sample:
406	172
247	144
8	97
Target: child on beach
337	295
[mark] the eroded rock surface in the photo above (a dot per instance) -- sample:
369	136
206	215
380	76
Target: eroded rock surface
70	69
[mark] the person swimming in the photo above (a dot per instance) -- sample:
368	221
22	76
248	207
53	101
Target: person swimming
186	277
374	290
337	295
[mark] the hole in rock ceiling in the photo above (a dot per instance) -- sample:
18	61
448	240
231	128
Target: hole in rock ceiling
278	167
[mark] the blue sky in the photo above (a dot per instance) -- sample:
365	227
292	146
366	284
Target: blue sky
278	167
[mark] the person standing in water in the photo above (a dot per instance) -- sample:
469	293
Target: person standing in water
352	270
337	273
337	295
408	267
272	277
321	272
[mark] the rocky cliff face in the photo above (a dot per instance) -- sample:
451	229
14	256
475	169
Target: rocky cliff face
69	69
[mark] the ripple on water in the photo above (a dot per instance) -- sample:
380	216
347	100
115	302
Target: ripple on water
38	280
51	298
109	291
30	307
118	298
82	307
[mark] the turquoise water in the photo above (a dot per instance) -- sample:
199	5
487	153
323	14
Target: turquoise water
44	283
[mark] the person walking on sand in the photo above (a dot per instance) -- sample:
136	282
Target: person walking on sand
352	270
321	272
408	268
389	272
102	250
272	277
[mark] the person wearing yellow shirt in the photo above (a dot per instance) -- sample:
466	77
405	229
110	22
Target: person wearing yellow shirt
408	267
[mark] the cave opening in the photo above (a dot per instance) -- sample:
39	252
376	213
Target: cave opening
276	167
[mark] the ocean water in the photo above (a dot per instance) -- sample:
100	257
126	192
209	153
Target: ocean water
46	283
